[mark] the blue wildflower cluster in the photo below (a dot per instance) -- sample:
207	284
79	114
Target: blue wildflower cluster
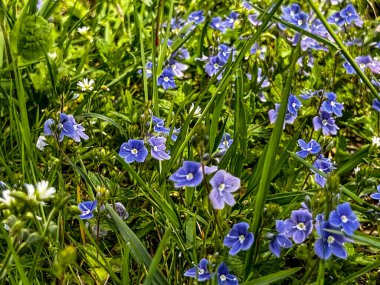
301	224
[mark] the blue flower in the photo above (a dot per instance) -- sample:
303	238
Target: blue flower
133	150
177	68
329	243
299	226
311	147
166	80
190	174
345	218
289	12
238	238
200	272
337	19
175	133
223	184
158	148
214	65
325	122
247	5
324	165
331	105
318	28
376	196
218	24
47	127
65	126
350	16
300	20
224	52
280	240
159	125
289	118
197	17
226	142
294	104
254	19
224	277
87	208
78	130
230	20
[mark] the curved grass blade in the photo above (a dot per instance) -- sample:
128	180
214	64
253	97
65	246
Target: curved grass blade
374	265
138	251
270	158
156	259
268	279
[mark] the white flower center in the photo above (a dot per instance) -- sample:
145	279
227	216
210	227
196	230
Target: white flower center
223	277
241	238
344	219
292	14
324	122
189	176
217	25
155	148
362	65
301	226
201	271
337	19
134	151
174	66
309	149
294	105
196	18
221	187
332	103
166	79
216	66
330	239
299	22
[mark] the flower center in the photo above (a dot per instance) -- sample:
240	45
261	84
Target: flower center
330	239
362	65
166	79
134	151
309	149
332	103
223	277
292	14
216	66
344	219
221	187
337	19
201	271
174	67
155	148
217	25
299	22
294	105
241	238
189	176
196	18
324	122
301	226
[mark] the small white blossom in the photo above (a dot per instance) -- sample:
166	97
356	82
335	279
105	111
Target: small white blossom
7	198
376	141
86	84
41	143
83	30
197	112
41	192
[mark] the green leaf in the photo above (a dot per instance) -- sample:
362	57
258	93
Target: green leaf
268	279
138	251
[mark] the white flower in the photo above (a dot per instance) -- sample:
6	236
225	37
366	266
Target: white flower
41	143
41	192
44	192
376	141
83	30
86	85
197	112
7	199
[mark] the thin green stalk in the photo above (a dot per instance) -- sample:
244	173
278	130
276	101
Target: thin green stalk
343	48
270	158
